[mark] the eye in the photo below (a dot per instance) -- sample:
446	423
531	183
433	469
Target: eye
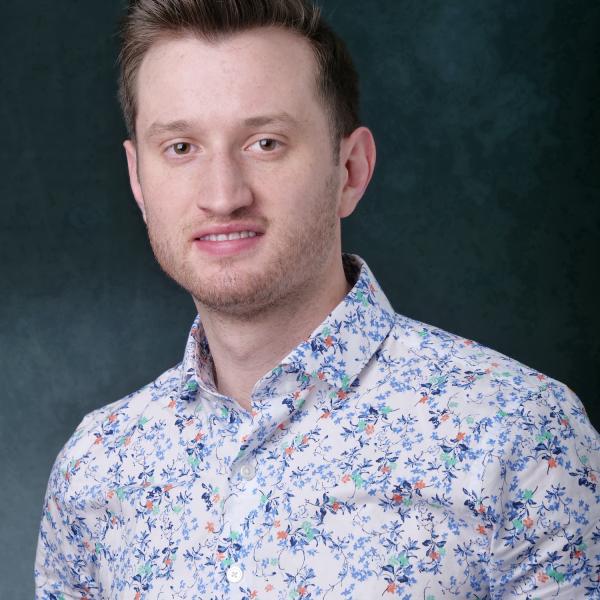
181	148
267	144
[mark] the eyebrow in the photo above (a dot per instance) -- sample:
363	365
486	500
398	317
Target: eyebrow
157	128
259	121
182	126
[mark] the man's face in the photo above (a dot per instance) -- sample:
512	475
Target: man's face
234	168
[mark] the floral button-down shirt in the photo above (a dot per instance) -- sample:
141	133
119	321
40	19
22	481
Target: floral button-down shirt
383	458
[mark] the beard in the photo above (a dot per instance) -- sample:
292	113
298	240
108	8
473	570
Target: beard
283	272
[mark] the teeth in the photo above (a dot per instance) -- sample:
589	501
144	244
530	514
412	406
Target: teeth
223	237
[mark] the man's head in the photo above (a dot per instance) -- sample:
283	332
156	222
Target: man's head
149	20
233	163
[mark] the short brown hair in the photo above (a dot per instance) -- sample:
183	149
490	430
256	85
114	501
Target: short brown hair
148	20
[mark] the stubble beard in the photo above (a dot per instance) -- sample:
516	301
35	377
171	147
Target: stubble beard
284	279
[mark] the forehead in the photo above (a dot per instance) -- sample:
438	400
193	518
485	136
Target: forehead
266	70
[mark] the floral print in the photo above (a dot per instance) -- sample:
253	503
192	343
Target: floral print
383	458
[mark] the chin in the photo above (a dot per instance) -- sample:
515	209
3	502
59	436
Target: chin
234	293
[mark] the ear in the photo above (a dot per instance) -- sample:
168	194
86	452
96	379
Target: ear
134	179
357	161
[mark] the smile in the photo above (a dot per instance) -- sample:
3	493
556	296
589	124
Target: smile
224	237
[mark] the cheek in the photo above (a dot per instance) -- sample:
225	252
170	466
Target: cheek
166	197
297	191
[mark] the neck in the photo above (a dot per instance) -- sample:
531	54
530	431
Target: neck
243	350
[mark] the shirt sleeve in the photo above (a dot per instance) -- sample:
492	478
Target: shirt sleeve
545	542
65	558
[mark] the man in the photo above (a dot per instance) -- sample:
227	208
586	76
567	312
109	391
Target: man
312	443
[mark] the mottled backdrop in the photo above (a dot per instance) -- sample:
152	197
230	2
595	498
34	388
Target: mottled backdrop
483	217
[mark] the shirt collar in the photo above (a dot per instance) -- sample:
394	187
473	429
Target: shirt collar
336	351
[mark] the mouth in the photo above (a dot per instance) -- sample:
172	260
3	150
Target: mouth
228	240
225	237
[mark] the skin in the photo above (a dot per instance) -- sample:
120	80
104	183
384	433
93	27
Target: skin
198	162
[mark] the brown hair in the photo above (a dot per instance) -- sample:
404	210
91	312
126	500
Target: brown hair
148	20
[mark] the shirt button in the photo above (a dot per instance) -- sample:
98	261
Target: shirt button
248	471
234	574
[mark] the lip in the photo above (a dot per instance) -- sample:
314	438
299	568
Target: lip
228	247
228	228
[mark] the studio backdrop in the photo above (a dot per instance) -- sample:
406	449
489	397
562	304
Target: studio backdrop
483	217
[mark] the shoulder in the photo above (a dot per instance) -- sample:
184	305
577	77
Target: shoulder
518	430
104	431
115	418
450	369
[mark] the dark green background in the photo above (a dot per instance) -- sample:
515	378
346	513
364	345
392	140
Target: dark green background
483	217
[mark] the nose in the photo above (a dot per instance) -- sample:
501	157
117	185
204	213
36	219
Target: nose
224	188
